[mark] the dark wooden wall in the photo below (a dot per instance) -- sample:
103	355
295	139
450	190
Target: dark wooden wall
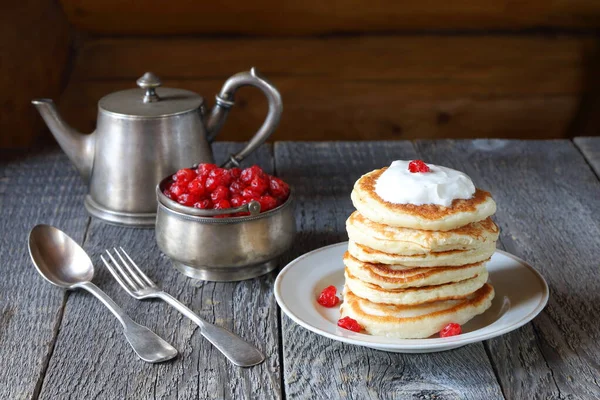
316	17
34	53
348	69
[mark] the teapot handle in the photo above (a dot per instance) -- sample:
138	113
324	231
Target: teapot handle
225	100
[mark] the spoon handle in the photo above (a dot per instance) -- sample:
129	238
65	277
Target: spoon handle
147	345
238	351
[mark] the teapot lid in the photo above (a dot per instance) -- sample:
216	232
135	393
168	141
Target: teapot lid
149	102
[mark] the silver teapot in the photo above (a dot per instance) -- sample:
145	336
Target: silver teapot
143	135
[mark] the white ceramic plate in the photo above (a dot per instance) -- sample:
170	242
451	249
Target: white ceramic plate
521	293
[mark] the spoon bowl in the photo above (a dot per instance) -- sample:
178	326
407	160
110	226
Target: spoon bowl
58	258
62	262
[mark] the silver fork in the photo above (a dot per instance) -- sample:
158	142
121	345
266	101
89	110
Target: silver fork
138	285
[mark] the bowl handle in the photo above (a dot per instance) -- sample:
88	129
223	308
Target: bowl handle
252	207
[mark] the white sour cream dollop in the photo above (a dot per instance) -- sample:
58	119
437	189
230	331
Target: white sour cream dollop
439	186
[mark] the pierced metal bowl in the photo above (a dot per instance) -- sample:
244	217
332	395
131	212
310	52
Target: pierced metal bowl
223	249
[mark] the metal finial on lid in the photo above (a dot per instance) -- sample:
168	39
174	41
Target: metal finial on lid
149	82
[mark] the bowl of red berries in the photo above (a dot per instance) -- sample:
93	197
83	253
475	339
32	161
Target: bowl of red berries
221	224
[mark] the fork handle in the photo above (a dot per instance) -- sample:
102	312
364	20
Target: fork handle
147	345
238	351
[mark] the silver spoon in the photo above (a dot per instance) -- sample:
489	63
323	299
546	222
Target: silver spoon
62	262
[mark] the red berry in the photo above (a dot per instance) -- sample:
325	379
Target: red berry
327	298
267	203
202	179
451	329
236	201
177	190
226	188
250	194
184	175
187	199
236	188
259	185
217	177
220	193
250	173
212	183
196	187
350	324
418	166
219	172
205	168
223	175
221	205
203	204
279	188
167	192
235	172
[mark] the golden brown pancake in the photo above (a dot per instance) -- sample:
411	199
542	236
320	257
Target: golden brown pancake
450	258
427	216
405	241
385	277
414	295
411	322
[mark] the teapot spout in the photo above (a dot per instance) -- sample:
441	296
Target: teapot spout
78	147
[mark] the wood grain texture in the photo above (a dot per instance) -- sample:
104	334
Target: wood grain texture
34	49
322	175
361	111
548	212
92	359
272	17
388	87
474	64
34	189
590	148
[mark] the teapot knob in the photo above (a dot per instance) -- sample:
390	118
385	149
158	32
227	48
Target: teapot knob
149	82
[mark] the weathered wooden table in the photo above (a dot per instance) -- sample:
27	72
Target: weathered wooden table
57	345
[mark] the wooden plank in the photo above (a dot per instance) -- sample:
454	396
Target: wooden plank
272	17
347	110
34	43
322	175
590	148
92	359
34	188
548	212
360	87
487	64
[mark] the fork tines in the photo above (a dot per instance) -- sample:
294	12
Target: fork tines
126	272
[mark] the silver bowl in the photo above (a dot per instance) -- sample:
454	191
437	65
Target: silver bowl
223	249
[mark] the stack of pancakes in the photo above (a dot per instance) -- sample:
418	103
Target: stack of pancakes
412	269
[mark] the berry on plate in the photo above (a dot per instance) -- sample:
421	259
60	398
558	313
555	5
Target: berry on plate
350	324
327	298
451	329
